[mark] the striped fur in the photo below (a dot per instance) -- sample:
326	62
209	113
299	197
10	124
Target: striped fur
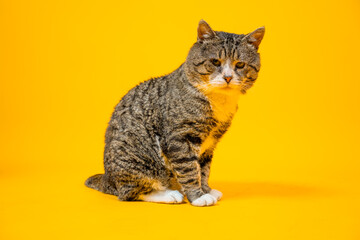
163	132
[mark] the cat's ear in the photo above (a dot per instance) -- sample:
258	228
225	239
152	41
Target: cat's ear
254	38
204	31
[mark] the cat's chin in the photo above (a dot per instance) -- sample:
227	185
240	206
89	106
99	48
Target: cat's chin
230	87
227	89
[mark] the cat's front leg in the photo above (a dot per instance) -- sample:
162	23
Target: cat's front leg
205	163
183	158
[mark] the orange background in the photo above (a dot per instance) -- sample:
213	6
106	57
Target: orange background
288	167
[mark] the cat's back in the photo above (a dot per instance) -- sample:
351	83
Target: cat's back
142	100
172	91
156	103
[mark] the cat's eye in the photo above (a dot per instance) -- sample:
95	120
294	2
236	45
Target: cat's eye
216	62
240	65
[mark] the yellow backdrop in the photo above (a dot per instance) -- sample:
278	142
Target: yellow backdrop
288	167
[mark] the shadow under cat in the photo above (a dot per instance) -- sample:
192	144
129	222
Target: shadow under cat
269	190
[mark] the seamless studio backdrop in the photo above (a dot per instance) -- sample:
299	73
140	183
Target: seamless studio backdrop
288	166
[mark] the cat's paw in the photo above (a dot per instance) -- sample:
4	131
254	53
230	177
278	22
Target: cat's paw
176	196
216	194
166	196
204	200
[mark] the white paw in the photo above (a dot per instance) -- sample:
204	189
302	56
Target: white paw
176	196
166	196
204	200
215	193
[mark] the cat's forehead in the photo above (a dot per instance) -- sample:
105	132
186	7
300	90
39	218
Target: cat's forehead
228	45
229	37
224	39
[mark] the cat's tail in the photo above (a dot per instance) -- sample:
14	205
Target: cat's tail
101	183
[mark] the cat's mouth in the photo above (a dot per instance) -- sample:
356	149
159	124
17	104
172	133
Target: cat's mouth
225	85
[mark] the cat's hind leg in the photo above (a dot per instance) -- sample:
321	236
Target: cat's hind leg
147	190
163	196
131	190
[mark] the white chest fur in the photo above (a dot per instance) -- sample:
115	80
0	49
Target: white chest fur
224	106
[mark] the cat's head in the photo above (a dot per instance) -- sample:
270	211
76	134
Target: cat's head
224	61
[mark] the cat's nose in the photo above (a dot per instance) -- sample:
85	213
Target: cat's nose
227	78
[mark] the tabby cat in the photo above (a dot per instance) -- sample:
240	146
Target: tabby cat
161	137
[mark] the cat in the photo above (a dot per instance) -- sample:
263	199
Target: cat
161	137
